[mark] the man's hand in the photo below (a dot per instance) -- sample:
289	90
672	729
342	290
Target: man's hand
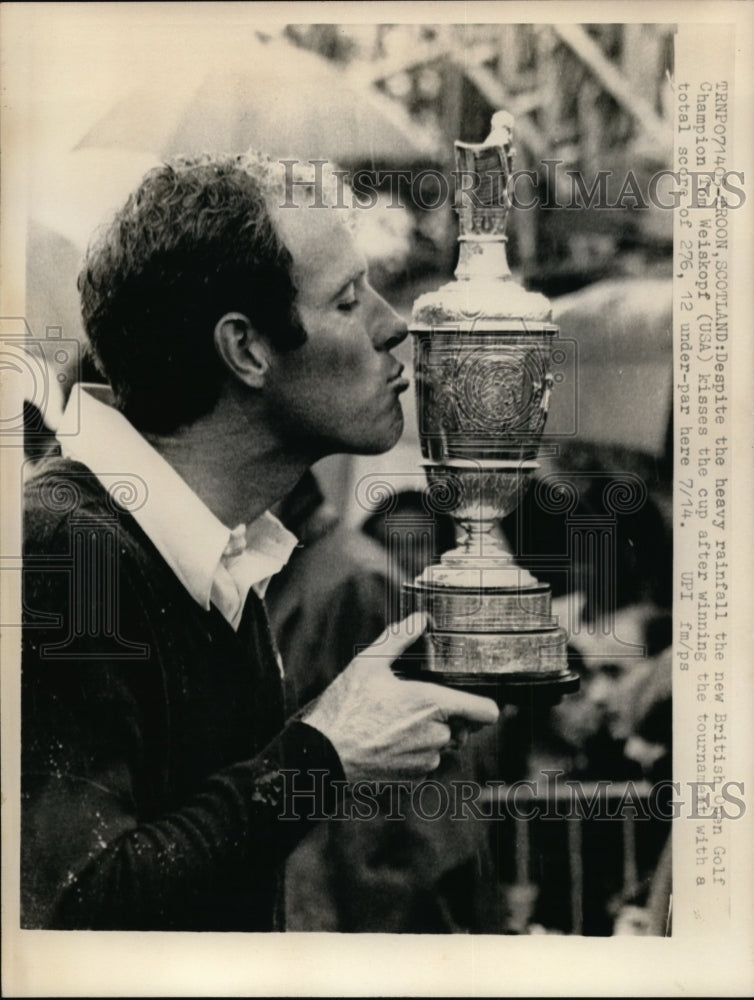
384	728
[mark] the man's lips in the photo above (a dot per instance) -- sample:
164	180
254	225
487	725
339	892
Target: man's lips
398	382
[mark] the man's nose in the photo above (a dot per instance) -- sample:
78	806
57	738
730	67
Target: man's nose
599	691
388	328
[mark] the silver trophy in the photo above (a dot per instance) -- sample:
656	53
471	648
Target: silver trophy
482	347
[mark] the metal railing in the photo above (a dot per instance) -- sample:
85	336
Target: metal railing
572	859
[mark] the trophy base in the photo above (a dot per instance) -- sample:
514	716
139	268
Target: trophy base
508	689
502	642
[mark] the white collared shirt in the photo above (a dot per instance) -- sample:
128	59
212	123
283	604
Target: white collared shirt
215	564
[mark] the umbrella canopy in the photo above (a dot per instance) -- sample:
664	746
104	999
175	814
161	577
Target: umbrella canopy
617	383
272	97
72	193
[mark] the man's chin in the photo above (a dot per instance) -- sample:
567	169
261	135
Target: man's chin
375	440
375	447
379	443
391	439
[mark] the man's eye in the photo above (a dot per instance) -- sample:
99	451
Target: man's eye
611	671
348	306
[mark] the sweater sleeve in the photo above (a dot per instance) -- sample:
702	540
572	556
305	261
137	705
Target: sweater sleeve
89	863
93	854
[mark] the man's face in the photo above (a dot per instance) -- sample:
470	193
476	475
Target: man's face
612	650
339	391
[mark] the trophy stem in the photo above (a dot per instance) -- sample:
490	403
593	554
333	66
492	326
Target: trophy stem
481	540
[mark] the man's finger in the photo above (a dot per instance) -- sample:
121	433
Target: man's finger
459	729
469	707
398	637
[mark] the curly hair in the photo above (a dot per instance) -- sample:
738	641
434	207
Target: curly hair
194	241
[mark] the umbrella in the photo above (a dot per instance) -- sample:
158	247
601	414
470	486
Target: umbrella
72	193
270	96
616	385
69	195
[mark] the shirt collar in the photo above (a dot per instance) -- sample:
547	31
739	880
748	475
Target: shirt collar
212	562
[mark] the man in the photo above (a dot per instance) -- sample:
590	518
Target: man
162	787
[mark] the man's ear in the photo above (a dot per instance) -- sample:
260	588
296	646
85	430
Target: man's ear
244	351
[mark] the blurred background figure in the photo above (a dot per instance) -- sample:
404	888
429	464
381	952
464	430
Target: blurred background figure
650	738
647	911
614	656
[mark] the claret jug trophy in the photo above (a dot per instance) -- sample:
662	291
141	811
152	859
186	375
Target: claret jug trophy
482	349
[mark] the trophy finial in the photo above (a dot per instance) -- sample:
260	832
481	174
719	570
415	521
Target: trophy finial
482	201
484	169
501	129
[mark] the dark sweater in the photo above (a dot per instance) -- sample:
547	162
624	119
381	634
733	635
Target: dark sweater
152	747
